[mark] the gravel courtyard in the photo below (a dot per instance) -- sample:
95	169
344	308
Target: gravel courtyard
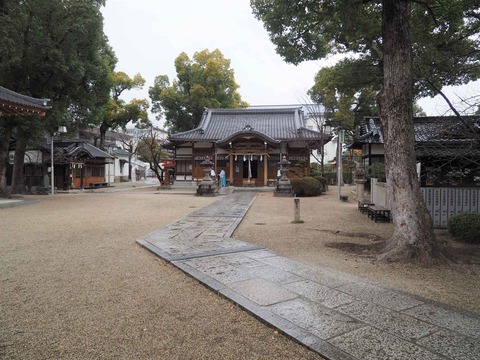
75	285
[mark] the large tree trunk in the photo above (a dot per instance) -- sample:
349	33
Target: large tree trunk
5	135
103	132
18	176
413	238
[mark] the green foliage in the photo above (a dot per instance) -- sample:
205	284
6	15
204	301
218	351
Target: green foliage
331	177
57	50
119	113
346	92
376	171
323	182
315	169
306	186
207	81
444	37
347	177
465	227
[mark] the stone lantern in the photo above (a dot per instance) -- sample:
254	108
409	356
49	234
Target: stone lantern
284	187
207	186
360	181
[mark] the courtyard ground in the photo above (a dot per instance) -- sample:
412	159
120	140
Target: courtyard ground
76	285
337	235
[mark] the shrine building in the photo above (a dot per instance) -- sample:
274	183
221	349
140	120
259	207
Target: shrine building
247	144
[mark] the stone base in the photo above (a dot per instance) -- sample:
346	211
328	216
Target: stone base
284	190
207	190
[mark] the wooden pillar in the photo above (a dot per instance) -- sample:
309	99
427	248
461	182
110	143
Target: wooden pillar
215	165
82	175
265	170
232	158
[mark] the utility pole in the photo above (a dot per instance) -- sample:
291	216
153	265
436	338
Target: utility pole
340	135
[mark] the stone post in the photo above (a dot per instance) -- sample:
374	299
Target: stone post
296	202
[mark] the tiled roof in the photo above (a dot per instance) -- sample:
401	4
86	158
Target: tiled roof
80	148
441	136
274	123
428	128
13	103
120	152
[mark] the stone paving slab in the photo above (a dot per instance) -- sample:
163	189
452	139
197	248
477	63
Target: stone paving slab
449	319
323	295
452	345
315	318
373	344
9	203
338	315
262	292
388	320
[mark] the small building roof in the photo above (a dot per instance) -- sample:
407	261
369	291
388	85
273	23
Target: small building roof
78	148
13	103
275	124
434	135
121	152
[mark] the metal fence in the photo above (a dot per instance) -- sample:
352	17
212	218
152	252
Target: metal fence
445	202
442	202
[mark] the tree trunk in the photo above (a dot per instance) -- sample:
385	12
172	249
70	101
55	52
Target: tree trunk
413	238
103	131
5	135
18	176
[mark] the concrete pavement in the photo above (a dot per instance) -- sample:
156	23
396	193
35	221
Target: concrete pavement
336	314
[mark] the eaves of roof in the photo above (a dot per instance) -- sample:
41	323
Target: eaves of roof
426	129
13	103
278	124
80	148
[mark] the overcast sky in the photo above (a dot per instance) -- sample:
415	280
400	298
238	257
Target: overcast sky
147	36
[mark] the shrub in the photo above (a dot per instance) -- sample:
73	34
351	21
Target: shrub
377	170
331	177
347	177
465	227
323	182
306	186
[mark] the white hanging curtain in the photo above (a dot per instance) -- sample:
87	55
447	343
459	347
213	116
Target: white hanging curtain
249	168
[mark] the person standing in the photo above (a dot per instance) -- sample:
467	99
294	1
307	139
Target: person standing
223	178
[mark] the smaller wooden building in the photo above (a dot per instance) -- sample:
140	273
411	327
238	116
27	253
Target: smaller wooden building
83	165
447	148
247	144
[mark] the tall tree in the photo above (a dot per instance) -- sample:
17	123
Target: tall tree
150	151
207	81
119	113
57	50
443	45
347	94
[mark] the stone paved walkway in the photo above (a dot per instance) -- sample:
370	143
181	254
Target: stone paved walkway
336	314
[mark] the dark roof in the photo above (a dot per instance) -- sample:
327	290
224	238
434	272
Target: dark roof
79	148
84	148
272	123
13	103
120	152
428	128
434	135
